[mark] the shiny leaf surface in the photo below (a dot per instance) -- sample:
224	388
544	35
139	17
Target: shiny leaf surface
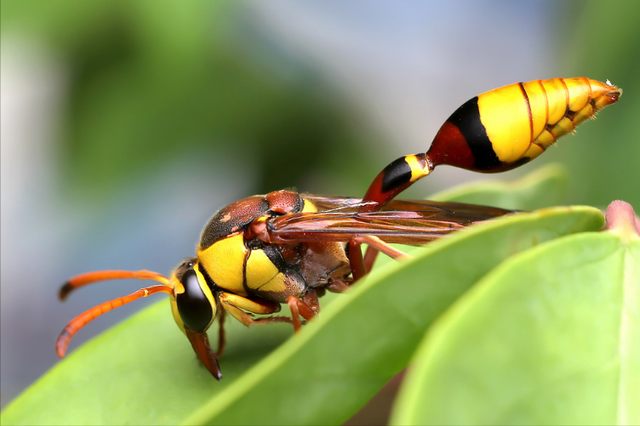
551	336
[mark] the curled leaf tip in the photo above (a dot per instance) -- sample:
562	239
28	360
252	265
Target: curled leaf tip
622	219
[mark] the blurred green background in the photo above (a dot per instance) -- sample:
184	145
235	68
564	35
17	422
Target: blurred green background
127	124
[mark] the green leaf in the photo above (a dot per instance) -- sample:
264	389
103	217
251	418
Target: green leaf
551	336
143	371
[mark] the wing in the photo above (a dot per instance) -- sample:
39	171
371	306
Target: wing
400	221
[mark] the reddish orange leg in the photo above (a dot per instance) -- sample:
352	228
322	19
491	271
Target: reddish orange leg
299	308
237	305
370	256
84	318
379	245
311	300
355	260
361	265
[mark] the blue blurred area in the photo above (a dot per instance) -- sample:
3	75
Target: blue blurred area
125	126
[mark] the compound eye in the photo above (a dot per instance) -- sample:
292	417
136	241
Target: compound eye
196	305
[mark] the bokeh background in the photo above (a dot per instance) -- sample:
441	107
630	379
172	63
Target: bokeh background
127	124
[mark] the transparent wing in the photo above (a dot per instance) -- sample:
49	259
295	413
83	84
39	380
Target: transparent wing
400	221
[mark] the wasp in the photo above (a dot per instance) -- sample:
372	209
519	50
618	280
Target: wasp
288	248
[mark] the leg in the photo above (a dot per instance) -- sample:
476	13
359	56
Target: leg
311	300
379	245
237	305
300	308
370	257
359	265
355	259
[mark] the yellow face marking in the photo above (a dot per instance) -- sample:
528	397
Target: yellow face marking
260	270
504	113
176	314
177	288
224	262
207	291
417	171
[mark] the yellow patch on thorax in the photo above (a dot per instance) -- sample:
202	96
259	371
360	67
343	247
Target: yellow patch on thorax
224	263
261	271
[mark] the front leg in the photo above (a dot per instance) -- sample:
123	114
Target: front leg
237	305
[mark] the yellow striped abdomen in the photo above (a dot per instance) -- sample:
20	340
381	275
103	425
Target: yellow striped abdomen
506	127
